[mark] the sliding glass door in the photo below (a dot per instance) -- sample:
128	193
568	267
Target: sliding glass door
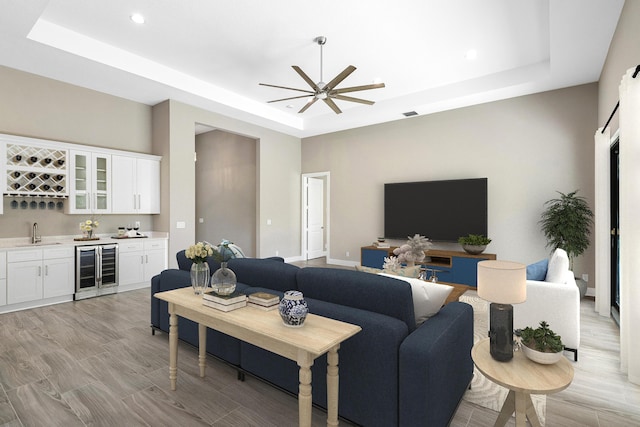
615	229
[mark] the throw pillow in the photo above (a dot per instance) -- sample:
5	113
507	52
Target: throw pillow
428	297
368	269
404	271
537	270
558	267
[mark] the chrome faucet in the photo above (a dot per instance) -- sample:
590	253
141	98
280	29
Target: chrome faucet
34	234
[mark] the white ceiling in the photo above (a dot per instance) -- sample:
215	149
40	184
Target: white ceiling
212	53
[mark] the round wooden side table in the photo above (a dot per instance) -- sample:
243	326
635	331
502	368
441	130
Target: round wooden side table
522	377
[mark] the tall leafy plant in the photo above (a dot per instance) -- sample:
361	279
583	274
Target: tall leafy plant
566	223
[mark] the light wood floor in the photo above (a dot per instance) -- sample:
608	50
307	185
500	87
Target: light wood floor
94	362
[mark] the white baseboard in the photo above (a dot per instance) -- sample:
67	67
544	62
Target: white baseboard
342	262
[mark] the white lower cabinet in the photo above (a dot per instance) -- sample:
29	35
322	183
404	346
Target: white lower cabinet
59	274
155	258
131	262
141	260
35	274
3	278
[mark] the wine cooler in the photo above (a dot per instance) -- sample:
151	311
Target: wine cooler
96	270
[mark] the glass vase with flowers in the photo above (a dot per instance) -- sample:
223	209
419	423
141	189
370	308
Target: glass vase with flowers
200	276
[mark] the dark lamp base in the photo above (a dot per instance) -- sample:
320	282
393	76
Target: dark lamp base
501	331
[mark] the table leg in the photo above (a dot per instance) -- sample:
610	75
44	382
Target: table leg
305	361
532	416
202	348
508	407
173	346
521	406
332	387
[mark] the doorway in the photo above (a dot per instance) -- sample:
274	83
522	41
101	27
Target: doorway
614	181
315	215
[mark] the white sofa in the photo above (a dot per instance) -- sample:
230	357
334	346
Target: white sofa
555	300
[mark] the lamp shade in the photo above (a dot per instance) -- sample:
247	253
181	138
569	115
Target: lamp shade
502	282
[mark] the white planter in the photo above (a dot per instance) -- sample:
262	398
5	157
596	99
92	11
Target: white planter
540	357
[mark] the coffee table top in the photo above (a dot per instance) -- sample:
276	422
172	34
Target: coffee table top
521	374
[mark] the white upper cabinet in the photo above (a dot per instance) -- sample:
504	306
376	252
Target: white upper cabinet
136	185
89	183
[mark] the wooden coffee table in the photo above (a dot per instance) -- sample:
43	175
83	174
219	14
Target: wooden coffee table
264	329
523	378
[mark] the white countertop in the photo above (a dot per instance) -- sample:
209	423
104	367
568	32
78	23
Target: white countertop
49	241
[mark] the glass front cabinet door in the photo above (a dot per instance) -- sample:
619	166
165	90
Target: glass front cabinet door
90	183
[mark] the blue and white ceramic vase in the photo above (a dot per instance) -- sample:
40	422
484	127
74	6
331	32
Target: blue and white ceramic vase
293	309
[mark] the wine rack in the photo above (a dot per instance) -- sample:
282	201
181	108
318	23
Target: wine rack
36	171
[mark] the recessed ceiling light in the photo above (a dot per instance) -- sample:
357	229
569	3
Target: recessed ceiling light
137	18
289	106
471	54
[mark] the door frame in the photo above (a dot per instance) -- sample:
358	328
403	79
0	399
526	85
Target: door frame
602	227
327	210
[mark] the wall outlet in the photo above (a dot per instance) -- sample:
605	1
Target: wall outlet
268	222
585	277
201	220
347	254
277	252
181	224
137	224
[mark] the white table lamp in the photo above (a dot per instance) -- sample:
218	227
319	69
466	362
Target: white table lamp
502	283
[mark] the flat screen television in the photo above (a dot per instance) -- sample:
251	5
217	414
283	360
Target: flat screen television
439	210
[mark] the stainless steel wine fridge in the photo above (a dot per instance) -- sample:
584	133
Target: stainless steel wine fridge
96	270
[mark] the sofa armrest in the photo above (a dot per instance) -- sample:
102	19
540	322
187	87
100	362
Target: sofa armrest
436	366
165	281
556	303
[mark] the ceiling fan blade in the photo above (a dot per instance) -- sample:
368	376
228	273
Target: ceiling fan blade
357	88
286	99
308	104
333	105
305	77
289	88
340	77
351	99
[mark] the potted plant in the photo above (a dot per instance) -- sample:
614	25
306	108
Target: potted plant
541	345
474	243
566	223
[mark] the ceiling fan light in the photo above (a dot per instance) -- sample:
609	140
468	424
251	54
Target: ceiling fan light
321	95
137	18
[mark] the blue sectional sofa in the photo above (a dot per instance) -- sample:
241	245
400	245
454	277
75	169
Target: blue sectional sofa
391	373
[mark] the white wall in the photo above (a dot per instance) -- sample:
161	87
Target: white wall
528	147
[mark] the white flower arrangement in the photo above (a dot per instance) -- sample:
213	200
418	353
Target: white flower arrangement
413	251
89	225
199	252
391	263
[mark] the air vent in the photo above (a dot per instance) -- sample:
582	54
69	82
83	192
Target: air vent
410	113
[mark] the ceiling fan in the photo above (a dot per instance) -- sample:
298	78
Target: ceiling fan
326	91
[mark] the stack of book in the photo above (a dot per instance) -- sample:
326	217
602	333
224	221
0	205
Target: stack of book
224	302
263	301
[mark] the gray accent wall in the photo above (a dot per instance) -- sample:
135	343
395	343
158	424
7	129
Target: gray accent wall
226	189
